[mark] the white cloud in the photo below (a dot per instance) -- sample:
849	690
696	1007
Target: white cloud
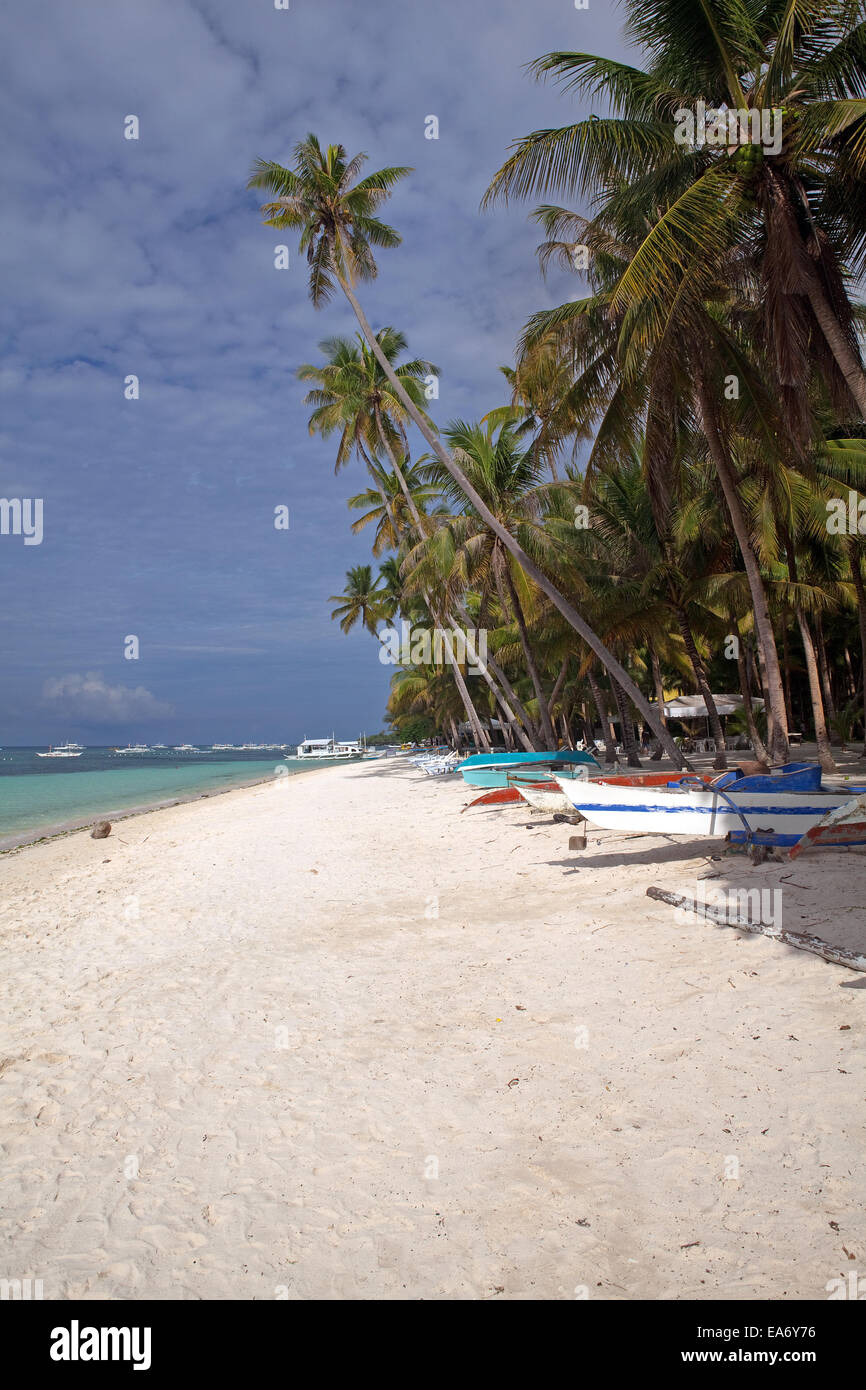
92	699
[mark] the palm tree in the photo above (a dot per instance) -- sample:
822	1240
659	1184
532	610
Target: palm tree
365	601
384	505
339	228
353	394
507	478
629	378
796	210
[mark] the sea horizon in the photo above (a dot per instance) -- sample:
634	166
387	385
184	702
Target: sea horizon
40	797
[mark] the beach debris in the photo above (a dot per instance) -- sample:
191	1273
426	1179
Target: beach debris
576	842
101	830
515	1081
801	941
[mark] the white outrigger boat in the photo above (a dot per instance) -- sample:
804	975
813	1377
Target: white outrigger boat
778	807
63	750
329	748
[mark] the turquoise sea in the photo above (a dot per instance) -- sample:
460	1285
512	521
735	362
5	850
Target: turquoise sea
41	795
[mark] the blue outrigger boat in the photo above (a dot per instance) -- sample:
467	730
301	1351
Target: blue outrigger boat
492	769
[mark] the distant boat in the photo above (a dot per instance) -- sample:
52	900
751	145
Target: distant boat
329	748
132	748
185	748
63	750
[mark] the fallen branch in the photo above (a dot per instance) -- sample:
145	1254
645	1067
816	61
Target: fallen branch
801	941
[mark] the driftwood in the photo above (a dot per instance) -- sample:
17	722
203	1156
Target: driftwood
801	941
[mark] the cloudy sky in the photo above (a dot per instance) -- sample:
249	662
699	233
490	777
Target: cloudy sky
148	257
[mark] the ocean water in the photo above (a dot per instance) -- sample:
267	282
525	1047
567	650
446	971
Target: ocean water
41	795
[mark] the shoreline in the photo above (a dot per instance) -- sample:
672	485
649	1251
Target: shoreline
56	831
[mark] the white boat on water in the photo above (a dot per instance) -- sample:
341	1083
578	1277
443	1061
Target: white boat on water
185	748
63	750
132	748
783	804
329	748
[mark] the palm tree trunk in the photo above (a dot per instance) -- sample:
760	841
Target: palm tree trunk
778	725
860	591
516	712
699	670
626	724
609	743
825	756
481	739
839	345
658	685
554	694
742	670
786	667
528	655
488	666
826	684
813	286
572	617
472	714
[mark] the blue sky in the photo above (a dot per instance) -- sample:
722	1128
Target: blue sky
149	257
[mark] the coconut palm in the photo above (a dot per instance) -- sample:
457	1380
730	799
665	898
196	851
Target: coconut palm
339	227
384	505
796	210
354	395
364	601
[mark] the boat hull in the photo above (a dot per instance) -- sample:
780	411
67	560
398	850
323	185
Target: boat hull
497	775
544	796
701	812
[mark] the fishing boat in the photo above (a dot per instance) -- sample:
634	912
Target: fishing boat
63	750
785	802
492	769
541	792
542	795
329	748
844	826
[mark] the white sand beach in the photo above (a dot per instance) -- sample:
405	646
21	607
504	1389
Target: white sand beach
328	1038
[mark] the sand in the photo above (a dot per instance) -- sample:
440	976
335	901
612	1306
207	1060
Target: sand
327	1038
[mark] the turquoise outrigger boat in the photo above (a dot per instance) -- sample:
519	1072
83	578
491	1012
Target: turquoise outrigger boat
492	769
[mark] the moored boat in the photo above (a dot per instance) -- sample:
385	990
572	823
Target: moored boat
63	750
492	770
785	802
